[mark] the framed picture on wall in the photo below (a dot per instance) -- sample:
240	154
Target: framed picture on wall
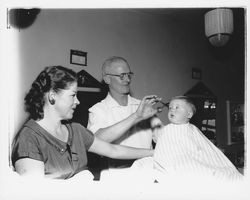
235	122
78	57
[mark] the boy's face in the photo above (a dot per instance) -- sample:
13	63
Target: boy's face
179	112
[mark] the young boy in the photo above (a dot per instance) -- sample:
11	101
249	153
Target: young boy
183	150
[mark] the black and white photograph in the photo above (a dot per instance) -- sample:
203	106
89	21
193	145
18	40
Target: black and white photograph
124	100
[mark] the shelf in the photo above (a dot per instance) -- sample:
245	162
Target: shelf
88	89
206	126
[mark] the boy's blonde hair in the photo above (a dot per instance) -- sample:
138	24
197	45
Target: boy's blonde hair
188	100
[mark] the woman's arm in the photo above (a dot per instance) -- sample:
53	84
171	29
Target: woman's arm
144	111
28	166
118	151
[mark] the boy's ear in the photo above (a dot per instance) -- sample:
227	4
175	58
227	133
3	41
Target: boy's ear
190	114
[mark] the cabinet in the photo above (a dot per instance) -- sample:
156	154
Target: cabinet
90	91
205	116
87	98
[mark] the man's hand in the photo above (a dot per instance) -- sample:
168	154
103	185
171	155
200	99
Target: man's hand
145	109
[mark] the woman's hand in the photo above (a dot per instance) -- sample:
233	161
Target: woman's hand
145	109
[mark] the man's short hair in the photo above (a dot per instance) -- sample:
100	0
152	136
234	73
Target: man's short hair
107	63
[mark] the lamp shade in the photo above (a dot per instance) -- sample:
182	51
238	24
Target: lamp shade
219	26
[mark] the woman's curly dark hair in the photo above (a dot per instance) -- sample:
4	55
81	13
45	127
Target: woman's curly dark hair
51	78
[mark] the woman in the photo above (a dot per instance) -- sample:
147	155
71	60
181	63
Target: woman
49	144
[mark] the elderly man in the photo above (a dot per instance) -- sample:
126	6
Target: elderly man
120	118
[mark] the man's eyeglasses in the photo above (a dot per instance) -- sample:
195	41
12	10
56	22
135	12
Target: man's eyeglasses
123	75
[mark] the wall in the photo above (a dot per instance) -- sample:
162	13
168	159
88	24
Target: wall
161	51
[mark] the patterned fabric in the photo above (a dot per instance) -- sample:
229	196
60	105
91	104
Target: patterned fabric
184	150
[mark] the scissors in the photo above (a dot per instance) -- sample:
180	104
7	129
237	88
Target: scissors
163	104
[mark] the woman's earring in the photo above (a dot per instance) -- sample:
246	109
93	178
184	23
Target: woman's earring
52	101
